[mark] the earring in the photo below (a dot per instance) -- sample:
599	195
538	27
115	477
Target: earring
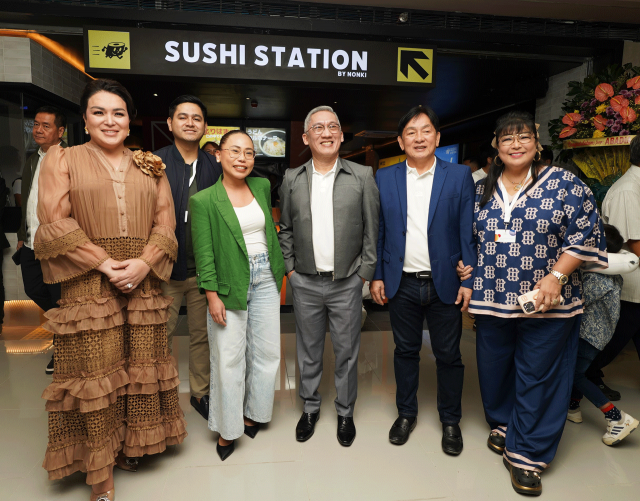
495	161
538	157
86	131
129	132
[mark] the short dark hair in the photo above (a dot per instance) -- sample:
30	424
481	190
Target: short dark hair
187	98
413	113
110	86
60	118
546	155
486	151
614	238
212	143
634	154
224	138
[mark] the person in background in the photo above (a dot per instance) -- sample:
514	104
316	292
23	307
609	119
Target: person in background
16	190
210	147
534	226
472	163
328	234
601	295
189	170
48	128
240	269
421	201
546	155
487	152
621	208
4	244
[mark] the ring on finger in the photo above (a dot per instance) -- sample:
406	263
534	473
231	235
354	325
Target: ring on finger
555	302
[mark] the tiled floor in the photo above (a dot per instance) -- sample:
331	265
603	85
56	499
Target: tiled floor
275	467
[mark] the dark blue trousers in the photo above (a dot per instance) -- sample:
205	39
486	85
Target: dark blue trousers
525	367
416	300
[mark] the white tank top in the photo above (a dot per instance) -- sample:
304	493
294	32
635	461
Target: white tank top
252	223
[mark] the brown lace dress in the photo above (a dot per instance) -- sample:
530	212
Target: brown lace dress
114	384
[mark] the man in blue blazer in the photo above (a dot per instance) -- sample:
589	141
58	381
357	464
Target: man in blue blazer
426	218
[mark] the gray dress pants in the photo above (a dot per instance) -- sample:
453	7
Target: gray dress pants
313	297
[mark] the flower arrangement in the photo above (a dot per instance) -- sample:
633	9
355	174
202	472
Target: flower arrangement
603	105
149	163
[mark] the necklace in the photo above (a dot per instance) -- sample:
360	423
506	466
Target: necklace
517	184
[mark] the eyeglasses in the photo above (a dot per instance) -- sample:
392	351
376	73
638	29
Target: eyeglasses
523	138
319	128
236	152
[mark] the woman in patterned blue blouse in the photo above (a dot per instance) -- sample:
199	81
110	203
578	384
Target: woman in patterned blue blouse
534	226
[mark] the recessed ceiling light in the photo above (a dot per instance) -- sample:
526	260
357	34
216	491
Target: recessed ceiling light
156	95
248	98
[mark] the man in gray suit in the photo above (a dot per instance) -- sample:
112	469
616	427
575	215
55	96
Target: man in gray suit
328	234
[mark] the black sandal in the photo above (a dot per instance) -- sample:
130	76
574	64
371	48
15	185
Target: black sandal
524	481
496	442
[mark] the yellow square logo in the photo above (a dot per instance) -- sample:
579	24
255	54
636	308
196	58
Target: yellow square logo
109	49
415	65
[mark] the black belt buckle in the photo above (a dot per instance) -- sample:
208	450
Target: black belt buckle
423	274
326	274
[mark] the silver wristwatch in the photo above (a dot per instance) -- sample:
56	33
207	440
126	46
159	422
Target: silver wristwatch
562	279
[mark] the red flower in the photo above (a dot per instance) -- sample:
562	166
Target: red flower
628	115
619	102
599	122
571	119
567	131
603	92
637	100
634	82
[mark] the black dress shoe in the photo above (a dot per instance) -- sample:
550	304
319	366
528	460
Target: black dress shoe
202	407
252	431
306	426
524	481
49	369
451	439
224	451
401	429
346	431
496	442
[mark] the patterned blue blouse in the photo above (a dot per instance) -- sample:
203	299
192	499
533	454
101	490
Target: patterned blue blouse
558	214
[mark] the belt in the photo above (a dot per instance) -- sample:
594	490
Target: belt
325	274
418	274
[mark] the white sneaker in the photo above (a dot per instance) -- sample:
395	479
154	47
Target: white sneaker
618	430
575	415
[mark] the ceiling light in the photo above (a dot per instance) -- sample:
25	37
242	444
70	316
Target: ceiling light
156	95
248	98
403	17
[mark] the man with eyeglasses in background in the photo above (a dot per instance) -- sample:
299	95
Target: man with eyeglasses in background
189	170
328	235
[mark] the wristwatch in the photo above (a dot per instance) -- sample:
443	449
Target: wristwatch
562	279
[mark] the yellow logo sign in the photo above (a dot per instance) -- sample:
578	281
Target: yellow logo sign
415	65
109	49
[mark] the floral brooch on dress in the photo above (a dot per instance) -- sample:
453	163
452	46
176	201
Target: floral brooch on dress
149	163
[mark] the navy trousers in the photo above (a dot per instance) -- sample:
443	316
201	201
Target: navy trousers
416	300
525	368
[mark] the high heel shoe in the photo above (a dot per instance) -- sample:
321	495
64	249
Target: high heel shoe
110	495
252	431
224	451
126	463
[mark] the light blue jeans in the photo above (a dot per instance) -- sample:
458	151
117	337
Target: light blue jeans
245	356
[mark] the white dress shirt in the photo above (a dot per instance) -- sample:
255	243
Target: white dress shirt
322	217
416	254
32	204
478	175
252	223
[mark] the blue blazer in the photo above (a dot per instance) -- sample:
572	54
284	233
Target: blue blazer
449	230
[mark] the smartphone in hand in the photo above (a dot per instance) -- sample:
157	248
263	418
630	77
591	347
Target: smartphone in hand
528	302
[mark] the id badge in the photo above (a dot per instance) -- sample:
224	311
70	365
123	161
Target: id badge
505	236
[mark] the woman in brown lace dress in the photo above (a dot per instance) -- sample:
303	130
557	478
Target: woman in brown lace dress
107	235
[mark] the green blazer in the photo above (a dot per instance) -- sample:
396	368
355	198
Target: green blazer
222	262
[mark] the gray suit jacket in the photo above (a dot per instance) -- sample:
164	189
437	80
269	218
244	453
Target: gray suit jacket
356	208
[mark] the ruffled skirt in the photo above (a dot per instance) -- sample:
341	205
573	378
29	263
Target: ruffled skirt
115	386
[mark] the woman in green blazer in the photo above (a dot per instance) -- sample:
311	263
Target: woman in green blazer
240	268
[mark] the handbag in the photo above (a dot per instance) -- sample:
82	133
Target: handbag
16	256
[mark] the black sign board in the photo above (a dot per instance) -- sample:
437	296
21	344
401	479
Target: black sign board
257	57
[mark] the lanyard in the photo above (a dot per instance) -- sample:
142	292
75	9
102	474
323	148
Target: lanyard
508	206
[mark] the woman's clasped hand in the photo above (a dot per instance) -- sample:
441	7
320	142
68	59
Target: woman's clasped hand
125	275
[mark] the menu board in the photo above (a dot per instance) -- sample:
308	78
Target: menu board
214	133
268	142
